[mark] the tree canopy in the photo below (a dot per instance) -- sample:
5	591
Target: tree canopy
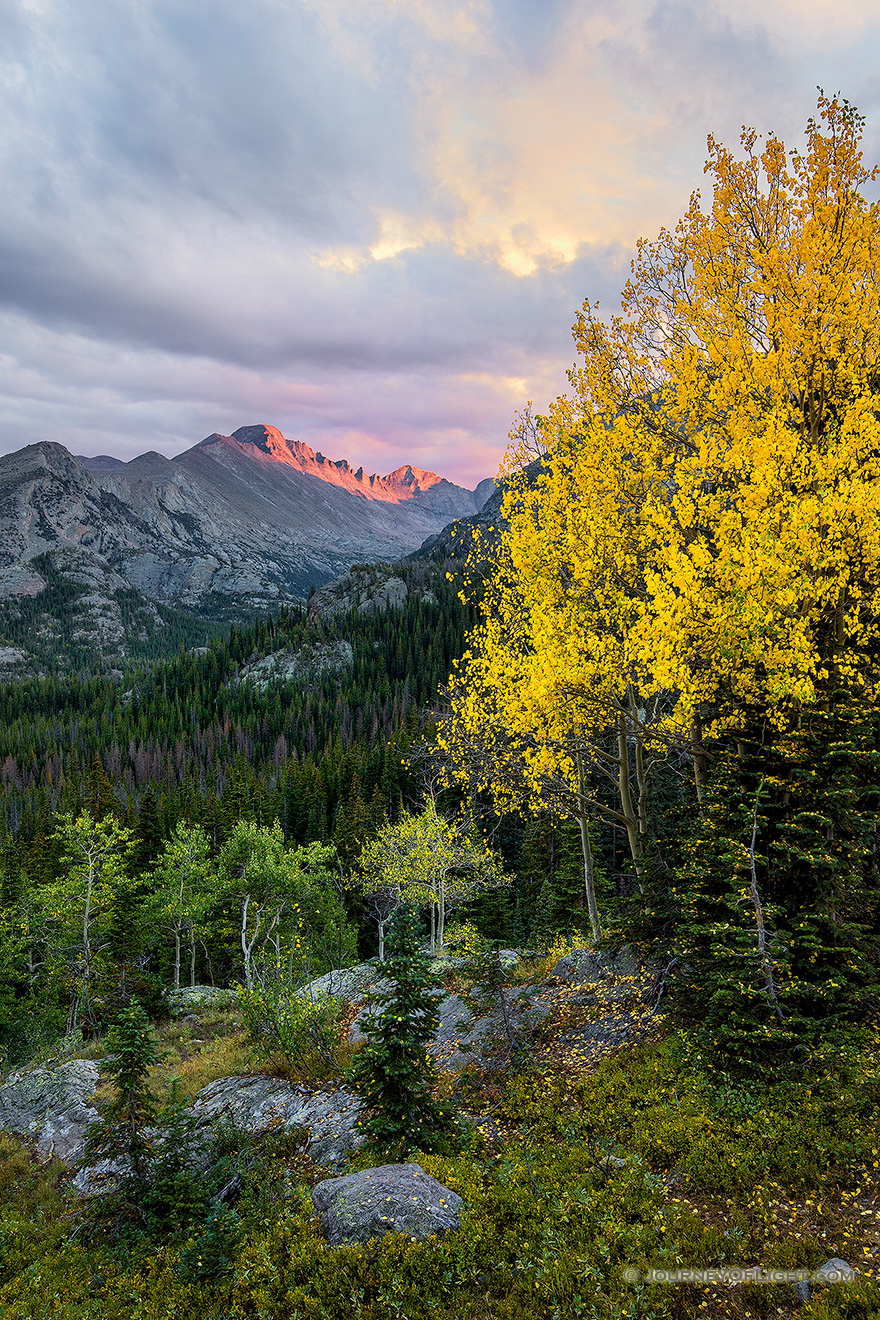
425	860
692	534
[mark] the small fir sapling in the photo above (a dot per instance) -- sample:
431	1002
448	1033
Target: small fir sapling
393	1074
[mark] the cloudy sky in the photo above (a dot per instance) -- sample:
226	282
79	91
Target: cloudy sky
367	222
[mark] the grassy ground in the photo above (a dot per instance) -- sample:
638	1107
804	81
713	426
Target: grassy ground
585	1161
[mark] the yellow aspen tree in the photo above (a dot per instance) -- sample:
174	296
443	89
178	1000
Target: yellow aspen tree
550	697
699	533
749	346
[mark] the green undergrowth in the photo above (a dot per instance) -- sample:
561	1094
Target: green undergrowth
651	1161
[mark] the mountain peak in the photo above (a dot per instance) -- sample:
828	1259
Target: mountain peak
99	462
252	518
267	438
266	443
46	456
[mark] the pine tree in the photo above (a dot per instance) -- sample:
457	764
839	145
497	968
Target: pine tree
178	1193
777	902
148	832
352	823
490	912
126	933
122	1135
393	1074
100	801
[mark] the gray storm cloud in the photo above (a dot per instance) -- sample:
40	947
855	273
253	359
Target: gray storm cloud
367	223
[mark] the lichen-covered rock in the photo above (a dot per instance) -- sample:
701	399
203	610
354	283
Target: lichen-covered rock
393	1198
350	983
591	1038
259	1104
583	978
462	1038
100	1179
49	1106
354	984
194	1157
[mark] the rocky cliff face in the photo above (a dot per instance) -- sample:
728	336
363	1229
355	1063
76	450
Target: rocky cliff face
236	524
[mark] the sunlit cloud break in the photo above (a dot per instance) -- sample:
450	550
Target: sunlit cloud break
369	224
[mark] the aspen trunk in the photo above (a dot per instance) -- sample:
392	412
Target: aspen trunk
441	914
589	868
177	959
636	839
698	755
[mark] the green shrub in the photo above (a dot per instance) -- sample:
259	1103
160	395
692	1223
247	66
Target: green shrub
859	1300
209	1255
299	1027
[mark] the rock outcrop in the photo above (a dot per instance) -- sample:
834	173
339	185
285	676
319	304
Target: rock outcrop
289	666
393	1198
262	1104
456	540
190	997
367	588
592	967
463	1037
352	984
610	986
485	1039
49	1106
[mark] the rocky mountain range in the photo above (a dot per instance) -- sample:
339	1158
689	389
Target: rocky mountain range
234	525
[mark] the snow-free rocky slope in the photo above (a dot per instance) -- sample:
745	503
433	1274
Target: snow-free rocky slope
54	1105
237	523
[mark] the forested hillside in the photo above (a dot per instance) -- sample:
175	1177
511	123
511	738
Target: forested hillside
212	745
314	720
67	618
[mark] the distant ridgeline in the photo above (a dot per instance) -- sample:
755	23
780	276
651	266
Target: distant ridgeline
107	562
301	717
